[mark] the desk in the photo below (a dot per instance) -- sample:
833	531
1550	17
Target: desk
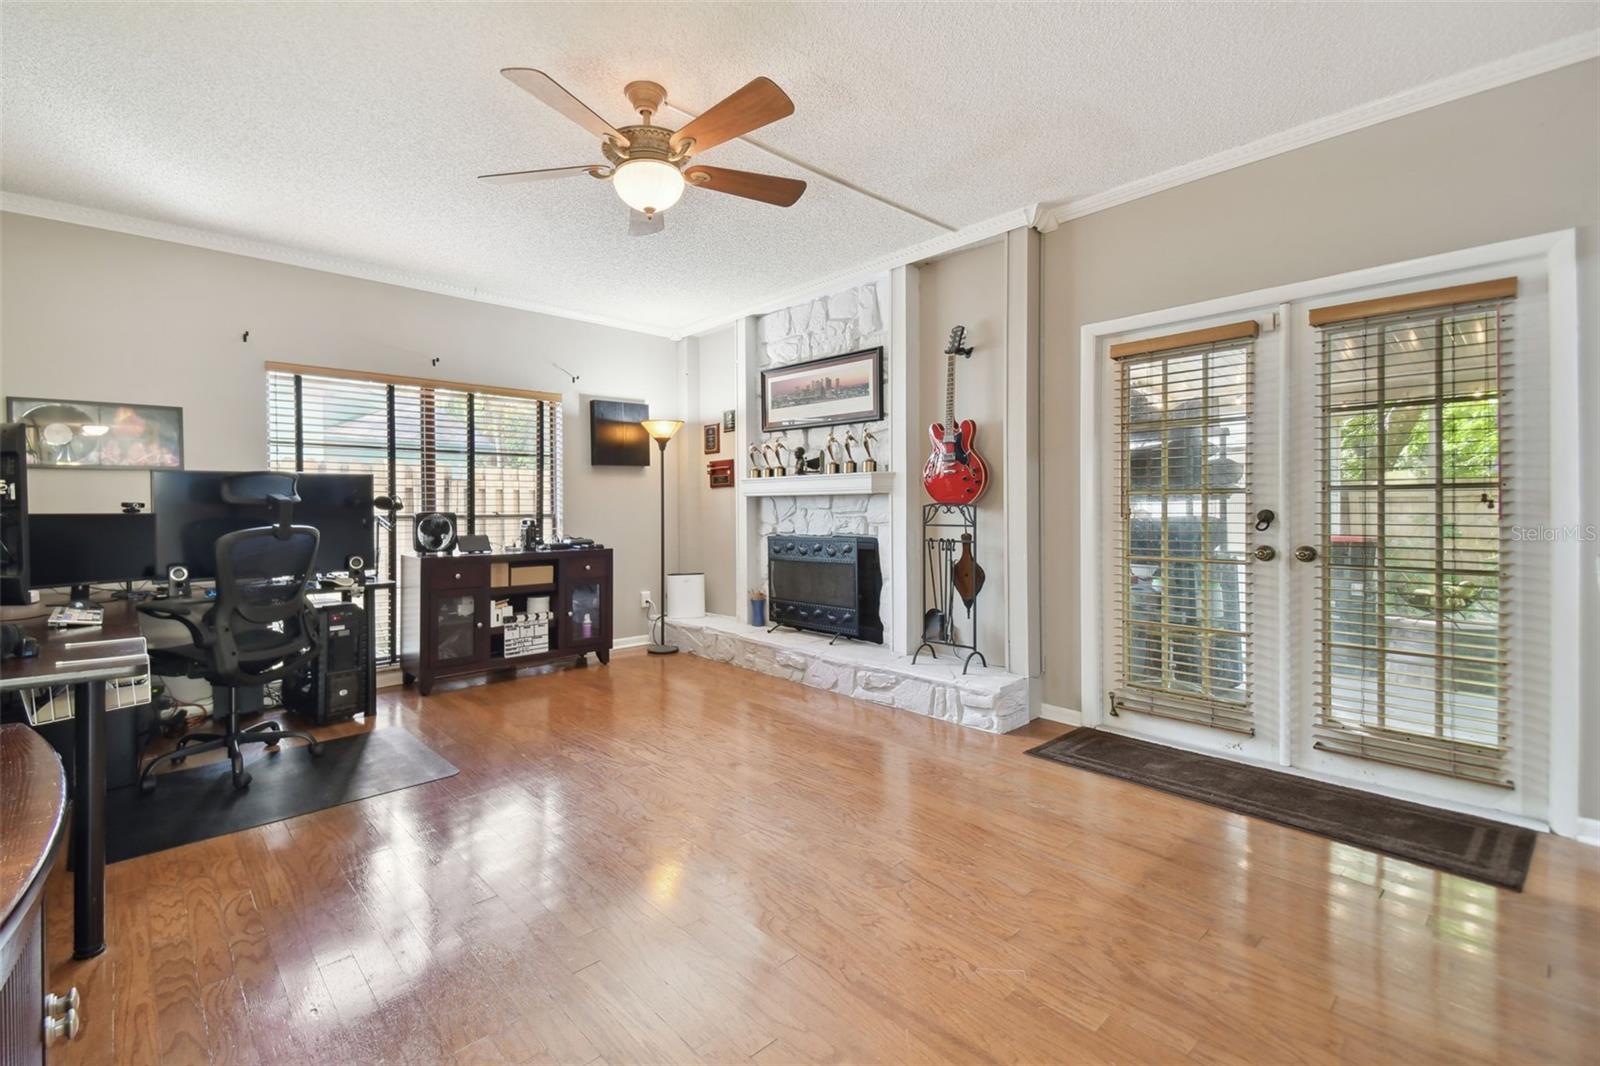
85	659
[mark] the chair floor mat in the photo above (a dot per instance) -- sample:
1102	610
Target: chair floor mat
201	803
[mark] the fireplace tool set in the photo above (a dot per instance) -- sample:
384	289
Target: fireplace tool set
950	544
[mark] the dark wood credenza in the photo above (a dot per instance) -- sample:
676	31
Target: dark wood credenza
446	628
33	800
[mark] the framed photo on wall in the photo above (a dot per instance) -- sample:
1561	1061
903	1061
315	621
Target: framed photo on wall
84	435
713	437
823	392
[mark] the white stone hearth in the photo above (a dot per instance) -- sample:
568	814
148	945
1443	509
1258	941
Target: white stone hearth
987	699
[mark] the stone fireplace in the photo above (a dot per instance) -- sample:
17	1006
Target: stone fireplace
840	322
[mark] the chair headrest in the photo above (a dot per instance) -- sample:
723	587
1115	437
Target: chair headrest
265	487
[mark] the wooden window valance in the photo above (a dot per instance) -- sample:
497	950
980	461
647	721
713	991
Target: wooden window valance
1215	334
1477	292
402	379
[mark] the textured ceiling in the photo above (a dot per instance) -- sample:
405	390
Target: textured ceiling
354	130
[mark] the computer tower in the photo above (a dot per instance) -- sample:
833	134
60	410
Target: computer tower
338	683
13	514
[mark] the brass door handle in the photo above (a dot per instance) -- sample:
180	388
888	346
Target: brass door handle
1306	553
1266	553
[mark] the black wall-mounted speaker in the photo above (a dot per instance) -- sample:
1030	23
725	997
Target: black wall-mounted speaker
434	533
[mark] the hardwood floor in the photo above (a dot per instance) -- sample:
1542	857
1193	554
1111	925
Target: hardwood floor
671	860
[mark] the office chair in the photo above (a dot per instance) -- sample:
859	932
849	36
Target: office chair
259	628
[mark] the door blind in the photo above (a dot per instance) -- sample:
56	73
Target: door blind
1413	587
1181	631
491	457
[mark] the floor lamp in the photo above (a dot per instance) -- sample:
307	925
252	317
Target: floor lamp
662	430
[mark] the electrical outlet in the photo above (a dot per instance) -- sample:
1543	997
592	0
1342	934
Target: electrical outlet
644	598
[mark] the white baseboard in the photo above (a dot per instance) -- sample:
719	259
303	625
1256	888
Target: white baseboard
1589	831
622	643
1064	715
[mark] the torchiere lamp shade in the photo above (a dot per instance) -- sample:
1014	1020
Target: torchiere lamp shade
662	429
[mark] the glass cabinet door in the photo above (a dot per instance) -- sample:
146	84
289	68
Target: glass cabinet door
584	621
456	628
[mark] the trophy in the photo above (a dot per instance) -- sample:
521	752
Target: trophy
831	449
777	459
849	454
758	462
867	441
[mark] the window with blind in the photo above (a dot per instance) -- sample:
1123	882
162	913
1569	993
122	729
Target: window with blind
1182	640
492	457
1413	626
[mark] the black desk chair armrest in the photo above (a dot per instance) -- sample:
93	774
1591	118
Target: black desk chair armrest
189	612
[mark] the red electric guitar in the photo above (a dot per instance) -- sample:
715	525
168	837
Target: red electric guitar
954	472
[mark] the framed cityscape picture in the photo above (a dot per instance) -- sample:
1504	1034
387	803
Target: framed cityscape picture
84	435
823	392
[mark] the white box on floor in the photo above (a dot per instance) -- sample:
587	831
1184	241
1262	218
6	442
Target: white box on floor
686	595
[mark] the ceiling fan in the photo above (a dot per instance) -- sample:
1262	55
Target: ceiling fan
648	164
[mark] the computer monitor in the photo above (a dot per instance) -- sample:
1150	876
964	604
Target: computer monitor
191	515
83	549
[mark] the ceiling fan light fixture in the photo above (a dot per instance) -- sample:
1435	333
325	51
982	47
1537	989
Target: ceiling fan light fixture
648	185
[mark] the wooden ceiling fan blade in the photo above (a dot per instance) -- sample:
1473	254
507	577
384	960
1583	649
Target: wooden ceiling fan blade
768	188
550	92
748	109
512	176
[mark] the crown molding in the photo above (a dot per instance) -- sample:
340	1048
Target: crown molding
1542	60
932	248
57	211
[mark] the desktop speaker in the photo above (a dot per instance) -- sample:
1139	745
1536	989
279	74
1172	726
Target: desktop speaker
336	683
434	533
177	580
13	515
356	564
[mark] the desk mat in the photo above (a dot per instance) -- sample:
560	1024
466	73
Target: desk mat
1445	840
201	803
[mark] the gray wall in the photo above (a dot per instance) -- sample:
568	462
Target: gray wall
89	314
968	288
705	514
1511	162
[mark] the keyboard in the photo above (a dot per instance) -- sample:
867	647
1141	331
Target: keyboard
69	617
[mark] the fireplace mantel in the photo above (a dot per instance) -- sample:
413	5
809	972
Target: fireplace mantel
879	481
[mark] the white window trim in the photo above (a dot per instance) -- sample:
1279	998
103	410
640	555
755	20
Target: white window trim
1559	251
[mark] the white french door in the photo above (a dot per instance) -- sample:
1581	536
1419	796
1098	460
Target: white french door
1313	534
1192	638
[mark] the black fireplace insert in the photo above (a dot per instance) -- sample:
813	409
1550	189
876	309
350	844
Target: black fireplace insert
825	584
